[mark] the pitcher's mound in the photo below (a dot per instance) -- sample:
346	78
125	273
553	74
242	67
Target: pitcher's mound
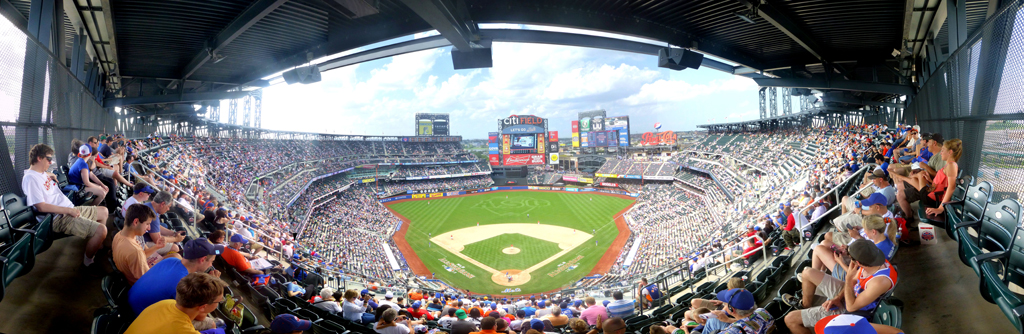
510	277
510	250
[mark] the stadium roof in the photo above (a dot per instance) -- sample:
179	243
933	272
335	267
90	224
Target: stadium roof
157	51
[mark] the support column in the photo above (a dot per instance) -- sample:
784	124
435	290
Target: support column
762	103
773	105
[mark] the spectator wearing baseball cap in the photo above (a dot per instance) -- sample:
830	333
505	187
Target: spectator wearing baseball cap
80	174
851	324
141	192
416	311
739	314
160	281
236	258
289	324
870	276
462	326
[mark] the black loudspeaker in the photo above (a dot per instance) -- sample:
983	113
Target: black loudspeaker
679	59
304	75
474	58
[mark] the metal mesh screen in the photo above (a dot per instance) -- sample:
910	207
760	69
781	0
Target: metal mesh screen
976	96
42	103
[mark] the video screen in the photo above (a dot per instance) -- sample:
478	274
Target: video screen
524	141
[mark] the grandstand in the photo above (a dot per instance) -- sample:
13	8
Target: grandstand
126	92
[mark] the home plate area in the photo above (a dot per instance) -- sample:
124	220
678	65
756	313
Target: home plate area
561	239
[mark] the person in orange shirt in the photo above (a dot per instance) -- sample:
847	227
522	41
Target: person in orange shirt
415	296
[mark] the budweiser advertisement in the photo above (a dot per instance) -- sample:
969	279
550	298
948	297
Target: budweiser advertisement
495	160
523	159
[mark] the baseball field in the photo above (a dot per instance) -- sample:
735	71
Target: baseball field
512	242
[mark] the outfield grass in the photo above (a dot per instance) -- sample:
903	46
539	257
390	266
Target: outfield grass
532	250
588	212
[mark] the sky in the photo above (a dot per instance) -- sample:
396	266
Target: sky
553	82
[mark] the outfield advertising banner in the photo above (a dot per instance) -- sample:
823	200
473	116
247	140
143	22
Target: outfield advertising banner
601	139
570	178
540	144
493	148
492	137
506	143
607	175
620	124
494	160
609	184
586	180
432	195
660	178
575	133
553	158
552	141
419	196
523	159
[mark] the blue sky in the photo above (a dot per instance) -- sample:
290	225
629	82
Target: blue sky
554	82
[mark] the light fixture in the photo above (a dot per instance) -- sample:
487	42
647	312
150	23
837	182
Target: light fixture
744	16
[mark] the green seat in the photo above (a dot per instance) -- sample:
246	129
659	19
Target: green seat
23	217
888	315
115	288
998	227
328	327
999	270
110	323
17	252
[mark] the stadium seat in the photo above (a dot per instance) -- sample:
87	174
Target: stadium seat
77	196
115	288
998	228
110	323
888	315
970	216
17	252
791	286
328	327
307	314
23	217
778	310
707	287
685	298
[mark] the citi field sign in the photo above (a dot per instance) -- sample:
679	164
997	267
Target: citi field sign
520	120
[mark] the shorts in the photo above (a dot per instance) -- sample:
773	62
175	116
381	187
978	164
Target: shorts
829	288
845	221
914	195
162	251
82	226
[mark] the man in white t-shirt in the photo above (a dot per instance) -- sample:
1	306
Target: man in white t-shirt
141	192
42	192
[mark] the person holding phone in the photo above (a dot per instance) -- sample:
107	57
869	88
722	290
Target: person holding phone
391	323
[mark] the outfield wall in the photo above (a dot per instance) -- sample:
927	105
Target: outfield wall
483	190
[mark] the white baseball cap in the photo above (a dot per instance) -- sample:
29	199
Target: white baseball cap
389	295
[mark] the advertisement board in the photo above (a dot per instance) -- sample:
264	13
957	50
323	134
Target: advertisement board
575	133
569	178
602	139
419	196
609	184
541	145
494	160
493	148
586	180
524	141
492	137
523	159
432	195
506	141
621	124
552	141
607	175
553	158
425	127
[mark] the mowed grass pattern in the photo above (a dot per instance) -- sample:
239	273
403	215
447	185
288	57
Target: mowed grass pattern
589	212
532	251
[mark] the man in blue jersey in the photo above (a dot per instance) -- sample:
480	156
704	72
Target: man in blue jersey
160	281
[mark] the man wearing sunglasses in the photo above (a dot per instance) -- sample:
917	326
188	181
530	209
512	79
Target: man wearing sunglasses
42	192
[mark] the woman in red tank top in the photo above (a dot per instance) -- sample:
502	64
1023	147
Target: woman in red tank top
951	151
934	191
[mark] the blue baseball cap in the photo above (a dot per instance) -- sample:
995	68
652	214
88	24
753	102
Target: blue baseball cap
287	323
874	199
147	189
200	248
540	304
364	292
537	324
738	298
605	302
416	305
238	238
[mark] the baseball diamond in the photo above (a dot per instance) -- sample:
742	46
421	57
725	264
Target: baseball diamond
512	238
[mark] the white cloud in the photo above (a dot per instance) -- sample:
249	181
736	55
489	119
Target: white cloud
404	71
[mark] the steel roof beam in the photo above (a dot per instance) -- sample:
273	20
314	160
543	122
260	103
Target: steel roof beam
11	13
827	98
254	13
172	98
446	18
788	26
850	85
523	36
